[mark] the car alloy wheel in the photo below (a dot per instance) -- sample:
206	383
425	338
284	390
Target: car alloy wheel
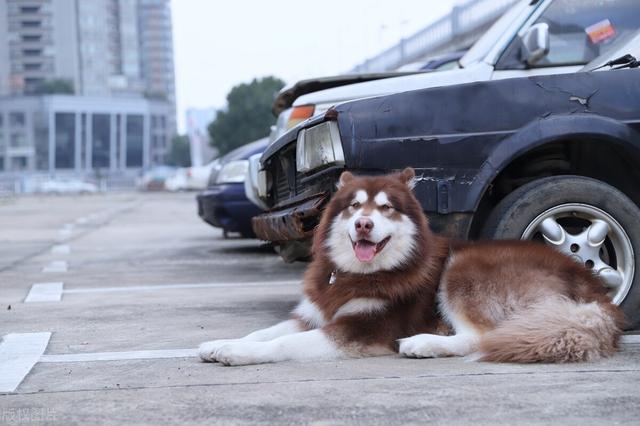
591	237
587	219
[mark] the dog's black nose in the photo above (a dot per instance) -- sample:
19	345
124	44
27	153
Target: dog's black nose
364	225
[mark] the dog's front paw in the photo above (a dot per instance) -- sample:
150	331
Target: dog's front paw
241	353
207	350
420	346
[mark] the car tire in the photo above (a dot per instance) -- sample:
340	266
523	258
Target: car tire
560	210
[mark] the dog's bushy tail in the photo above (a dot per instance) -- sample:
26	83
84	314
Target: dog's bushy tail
556	330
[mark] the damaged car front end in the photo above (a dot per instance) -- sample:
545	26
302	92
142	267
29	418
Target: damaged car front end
297	179
466	143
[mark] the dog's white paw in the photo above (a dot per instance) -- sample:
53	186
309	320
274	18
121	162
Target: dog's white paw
207	350
240	353
420	346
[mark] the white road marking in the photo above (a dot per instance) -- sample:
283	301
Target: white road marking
119	356
168	353
45	292
19	352
61	249
177	286
52	292
225	262
630	339
56	266
63	234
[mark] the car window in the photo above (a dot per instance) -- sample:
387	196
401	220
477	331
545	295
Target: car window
488	40
625	45
579	31
453	64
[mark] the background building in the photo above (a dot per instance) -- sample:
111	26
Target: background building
85	86
156	50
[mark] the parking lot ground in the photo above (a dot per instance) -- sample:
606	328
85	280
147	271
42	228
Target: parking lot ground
135	282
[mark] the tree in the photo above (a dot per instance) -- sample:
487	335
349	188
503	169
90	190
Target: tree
247	116
180	151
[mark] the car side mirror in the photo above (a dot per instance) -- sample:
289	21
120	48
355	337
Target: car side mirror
535	43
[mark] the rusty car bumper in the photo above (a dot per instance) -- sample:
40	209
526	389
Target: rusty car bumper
292	223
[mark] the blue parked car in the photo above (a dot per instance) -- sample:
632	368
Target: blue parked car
224	203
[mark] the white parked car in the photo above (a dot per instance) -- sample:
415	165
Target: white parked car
155	178
198	177
190	178
177	180
67	186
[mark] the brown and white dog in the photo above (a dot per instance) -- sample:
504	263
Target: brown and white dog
380	275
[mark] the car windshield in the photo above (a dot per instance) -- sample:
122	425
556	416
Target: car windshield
582	30
485	43
627	45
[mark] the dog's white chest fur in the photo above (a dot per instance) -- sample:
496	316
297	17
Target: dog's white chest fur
361	306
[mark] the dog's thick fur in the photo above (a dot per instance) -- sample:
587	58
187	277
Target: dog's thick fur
380	275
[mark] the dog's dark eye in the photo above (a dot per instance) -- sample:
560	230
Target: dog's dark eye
386	207
355	204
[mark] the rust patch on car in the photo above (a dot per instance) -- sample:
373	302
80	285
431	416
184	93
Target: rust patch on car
293	223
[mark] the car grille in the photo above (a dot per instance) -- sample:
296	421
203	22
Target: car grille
282	188
283	172
286	182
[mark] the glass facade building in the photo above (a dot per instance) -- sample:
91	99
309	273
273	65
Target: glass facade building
83	134
85	85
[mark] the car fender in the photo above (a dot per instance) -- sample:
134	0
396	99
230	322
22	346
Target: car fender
548	130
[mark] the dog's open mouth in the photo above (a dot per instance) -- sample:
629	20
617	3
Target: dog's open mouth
366	250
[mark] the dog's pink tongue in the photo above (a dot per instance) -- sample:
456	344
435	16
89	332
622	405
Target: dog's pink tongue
365	250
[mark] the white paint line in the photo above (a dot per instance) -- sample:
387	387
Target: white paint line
120	356
45	292
247	260
18	354
630	339
177	286
56	266
63	234
167	353
61	249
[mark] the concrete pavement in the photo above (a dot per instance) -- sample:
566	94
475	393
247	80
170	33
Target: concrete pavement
146	281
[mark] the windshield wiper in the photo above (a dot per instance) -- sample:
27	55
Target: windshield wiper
626	61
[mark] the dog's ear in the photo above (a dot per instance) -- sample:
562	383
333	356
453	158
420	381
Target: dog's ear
345	178
408	177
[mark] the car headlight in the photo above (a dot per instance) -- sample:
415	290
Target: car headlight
257	177
215	170
318	146
233	172
263	184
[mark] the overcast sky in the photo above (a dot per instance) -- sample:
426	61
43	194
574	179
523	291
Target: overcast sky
220	44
